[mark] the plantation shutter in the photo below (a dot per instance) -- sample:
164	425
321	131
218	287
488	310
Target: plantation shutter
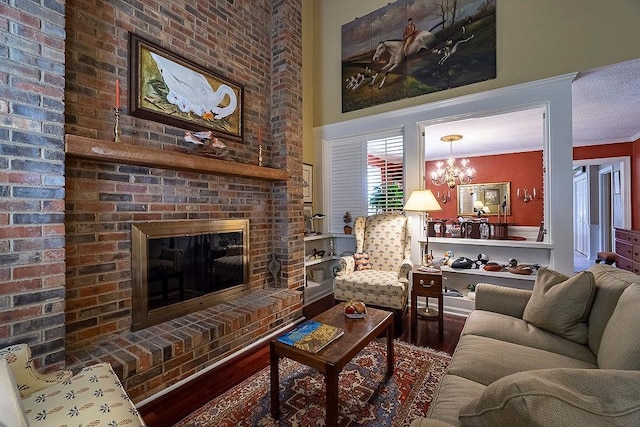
366	176
385	175
346	191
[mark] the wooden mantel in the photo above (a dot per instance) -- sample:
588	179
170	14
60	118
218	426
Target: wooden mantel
119	152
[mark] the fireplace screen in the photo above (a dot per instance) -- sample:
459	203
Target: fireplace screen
182	266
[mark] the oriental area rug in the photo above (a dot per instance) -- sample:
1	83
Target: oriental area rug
366	396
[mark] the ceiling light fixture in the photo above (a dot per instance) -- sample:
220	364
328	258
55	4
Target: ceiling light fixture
452	174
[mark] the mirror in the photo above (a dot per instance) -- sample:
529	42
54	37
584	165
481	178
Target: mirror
487	197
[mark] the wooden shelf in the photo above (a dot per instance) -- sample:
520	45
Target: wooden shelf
119	152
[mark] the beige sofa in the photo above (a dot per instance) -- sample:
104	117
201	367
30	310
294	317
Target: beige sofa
565	354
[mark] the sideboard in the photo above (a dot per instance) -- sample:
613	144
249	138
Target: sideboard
628	250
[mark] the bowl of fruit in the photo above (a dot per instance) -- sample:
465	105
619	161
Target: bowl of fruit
355	309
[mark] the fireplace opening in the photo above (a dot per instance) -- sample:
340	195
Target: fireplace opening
179	267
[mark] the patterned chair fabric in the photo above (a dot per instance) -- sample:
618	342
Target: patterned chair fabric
28	379
387	239
93	397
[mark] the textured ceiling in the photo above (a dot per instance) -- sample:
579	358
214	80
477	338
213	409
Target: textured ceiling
606	109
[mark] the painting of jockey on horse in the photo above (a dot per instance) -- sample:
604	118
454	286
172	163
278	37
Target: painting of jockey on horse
414	47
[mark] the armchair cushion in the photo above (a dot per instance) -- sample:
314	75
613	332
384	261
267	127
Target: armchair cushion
620	345
93	397
379	288
362	261
11	414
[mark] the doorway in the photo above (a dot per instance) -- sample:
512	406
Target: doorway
597	208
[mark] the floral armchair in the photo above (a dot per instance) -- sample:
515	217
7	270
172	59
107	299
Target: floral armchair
378	273
93	397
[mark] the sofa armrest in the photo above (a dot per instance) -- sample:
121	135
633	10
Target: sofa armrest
560	396
428	422
347	265
500	299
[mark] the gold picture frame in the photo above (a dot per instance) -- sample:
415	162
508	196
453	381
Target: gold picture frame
169	89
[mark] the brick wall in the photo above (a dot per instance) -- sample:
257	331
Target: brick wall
103	199
255	43
32	251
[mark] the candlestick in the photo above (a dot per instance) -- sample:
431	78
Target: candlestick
259	145
117	94
116	126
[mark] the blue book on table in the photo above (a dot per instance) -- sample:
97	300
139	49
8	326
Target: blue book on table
311	336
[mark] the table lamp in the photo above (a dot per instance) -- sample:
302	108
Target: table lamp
313	218
423	201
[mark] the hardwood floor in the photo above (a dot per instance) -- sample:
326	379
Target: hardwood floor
172	407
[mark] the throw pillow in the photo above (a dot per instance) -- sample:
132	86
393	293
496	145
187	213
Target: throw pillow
560	304
362	261
11	411
557	397
620	345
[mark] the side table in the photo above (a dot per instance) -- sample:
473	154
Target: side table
428	285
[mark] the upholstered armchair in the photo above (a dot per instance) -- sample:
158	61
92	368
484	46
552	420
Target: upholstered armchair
92	397
378	273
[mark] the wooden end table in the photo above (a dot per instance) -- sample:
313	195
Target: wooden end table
428	285
331	359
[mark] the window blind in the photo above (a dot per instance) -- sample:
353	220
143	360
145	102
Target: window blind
385	175
366	176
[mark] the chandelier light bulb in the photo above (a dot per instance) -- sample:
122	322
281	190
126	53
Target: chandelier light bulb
452	174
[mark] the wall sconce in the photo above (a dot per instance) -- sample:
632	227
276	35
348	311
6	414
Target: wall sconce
444	197
526	196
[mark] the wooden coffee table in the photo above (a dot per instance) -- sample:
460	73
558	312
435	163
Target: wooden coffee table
331	359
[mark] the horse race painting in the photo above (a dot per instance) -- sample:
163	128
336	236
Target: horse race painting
415	47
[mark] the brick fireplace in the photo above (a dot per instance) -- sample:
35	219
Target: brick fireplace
65	242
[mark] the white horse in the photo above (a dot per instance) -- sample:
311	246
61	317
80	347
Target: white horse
423	40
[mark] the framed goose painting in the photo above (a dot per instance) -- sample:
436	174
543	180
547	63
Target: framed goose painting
169	89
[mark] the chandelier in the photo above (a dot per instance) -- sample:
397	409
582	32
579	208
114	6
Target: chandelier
452	174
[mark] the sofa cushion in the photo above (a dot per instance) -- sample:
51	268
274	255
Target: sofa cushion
611	282
447	399
11	414
620	346
561	304
518	331
558	397
485	360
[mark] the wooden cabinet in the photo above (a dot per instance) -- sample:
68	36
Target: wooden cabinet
628	250
428	285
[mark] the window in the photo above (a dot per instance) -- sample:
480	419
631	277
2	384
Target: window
366	176
385	175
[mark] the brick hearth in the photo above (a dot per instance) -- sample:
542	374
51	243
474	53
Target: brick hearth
154	358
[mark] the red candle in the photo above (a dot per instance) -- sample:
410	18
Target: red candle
117	93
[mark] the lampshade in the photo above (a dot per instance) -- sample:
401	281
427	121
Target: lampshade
478	205
422	201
